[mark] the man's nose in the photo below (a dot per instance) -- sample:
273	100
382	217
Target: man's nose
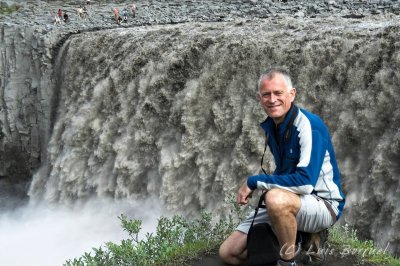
272	98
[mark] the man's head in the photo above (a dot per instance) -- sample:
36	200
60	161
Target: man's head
276	93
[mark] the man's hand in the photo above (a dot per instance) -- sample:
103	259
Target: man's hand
244	194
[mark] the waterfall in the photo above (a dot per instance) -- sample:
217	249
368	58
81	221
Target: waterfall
171	111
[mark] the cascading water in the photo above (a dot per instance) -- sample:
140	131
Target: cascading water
171	111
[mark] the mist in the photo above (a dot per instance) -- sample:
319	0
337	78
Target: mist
49	235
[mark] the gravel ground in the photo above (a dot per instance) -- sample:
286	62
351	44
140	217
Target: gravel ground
100	13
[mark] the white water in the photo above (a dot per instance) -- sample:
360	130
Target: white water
46	235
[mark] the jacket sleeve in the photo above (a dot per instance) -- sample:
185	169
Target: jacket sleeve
305	176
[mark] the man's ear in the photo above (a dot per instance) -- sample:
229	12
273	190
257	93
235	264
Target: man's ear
292	94
258	97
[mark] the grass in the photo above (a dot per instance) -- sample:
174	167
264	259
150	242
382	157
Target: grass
346	241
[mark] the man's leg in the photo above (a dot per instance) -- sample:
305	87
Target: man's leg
233	249
313	217
283	206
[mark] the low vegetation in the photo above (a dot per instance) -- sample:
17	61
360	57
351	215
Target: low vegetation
4	10
178	240
175	241
345	240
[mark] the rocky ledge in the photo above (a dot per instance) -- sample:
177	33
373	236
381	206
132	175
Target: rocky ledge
149	12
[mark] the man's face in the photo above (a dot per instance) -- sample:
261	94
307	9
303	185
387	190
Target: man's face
276	98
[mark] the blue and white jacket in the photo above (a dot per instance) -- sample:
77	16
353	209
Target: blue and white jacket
305	162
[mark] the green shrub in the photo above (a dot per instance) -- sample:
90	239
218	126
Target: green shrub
9	9
178	240
175	241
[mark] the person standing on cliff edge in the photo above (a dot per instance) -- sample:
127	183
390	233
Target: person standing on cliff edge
133	10
59	13
304	192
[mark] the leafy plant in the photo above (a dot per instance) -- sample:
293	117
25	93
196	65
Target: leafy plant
175	241
178	240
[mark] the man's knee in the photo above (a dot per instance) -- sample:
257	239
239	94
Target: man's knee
280	200
224	251
232	250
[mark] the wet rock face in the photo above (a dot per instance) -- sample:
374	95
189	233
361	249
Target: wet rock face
170	109
25	95
15	176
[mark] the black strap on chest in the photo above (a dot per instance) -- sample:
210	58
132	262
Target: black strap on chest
265	148
288	134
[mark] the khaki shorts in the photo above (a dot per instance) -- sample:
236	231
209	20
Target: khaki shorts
312	217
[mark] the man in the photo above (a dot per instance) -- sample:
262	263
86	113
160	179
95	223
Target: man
125	14
59	13
304	192
116	15
133	10
65	17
